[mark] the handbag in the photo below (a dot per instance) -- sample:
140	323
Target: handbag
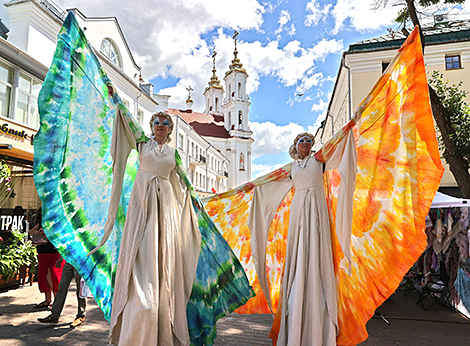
39	239
84	289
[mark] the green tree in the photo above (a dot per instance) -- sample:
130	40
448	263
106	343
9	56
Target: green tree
450	111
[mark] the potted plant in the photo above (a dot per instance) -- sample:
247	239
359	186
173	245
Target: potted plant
17	256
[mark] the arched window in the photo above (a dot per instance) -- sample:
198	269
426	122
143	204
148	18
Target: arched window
240	119
229	120
216	104
240	90
229	90
242	162
110	50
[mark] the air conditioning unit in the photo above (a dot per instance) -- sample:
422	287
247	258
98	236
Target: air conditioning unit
441	19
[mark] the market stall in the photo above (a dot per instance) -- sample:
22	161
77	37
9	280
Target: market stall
444	267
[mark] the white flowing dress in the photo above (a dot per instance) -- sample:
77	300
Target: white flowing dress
309	306
159	253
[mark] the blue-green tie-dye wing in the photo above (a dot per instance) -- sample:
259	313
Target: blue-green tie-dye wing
73	172
73	164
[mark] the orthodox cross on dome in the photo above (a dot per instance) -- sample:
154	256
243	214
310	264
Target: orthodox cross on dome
235	35
236	64
213	63
189	89
214	82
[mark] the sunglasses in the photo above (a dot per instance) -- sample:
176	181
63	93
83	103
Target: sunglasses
164	123
305	140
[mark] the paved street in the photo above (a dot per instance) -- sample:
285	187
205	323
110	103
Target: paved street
409	324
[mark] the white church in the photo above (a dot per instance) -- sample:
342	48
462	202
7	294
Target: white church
216	144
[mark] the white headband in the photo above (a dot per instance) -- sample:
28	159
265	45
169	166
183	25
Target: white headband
304	137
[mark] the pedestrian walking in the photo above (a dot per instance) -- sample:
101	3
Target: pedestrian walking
68	273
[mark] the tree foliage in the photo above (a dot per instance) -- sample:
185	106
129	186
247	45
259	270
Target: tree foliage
404	14
452	97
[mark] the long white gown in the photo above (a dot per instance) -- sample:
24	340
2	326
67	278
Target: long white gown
159	254
309	306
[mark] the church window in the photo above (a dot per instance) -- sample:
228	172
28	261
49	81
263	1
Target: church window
230	90
241	165
240	119
216	104
110	50
240	90
229	119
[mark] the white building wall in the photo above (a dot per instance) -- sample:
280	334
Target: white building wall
97	29
200	158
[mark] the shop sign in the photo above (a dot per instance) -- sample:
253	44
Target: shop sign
15	133
15	221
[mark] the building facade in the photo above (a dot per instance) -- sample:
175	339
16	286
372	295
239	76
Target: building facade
447	51
28	40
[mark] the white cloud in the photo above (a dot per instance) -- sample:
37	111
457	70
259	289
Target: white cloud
289	64
320	106
362	16
261	169
326	47
309	81
315	13
272	139
291	31
284	18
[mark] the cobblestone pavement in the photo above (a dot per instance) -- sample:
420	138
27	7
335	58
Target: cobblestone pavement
409	324
19	325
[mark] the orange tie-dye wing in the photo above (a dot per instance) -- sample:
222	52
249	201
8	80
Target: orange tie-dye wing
229	211
399	171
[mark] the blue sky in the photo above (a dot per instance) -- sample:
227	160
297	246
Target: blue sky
288	47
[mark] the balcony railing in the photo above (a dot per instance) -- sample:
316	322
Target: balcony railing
197	159
223	174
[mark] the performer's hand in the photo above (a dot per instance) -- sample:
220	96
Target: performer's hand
110	91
